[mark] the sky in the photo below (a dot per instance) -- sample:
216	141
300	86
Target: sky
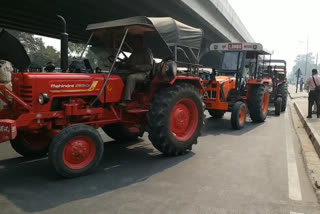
282	26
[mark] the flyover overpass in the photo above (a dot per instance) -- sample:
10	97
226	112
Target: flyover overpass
216	17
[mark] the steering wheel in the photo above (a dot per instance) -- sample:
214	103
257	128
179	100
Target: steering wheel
111	57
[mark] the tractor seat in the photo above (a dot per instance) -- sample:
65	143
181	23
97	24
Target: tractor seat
141	60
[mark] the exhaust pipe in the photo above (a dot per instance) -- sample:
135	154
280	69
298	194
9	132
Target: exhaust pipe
64	45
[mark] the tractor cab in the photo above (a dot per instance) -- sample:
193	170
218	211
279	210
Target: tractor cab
277	71
241	62
238	77
161	48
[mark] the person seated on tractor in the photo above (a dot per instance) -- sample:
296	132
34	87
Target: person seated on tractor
140	65
49	67
213	75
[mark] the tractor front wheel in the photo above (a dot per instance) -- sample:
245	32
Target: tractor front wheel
238	115
175	119
31	144
120	133
76	150
258	103
277	106
218	114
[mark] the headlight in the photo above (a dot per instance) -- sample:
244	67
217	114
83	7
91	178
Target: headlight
43	98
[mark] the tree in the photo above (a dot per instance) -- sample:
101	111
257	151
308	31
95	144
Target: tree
300	62
98	56
39	53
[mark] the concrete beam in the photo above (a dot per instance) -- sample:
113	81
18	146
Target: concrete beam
219	16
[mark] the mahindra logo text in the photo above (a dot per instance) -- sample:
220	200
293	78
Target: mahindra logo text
55	86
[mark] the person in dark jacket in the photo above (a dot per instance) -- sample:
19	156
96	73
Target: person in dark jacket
312	83
301	84
140	64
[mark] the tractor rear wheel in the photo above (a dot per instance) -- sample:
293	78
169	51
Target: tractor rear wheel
77	150
238	115
31	144
278	105
258	103
176	118
283	91
218	114
120	133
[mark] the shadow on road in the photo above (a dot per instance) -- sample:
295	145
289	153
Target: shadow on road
223	126
32	185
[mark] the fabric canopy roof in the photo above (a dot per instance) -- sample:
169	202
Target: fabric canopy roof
170	30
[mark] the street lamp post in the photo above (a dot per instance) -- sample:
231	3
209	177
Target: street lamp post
305	72
306	64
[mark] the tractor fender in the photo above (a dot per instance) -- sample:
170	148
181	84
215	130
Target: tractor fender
192	80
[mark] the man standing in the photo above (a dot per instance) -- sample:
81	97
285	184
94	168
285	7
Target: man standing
312	83
301	84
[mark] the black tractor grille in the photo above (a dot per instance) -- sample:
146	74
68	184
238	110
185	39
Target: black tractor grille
26	94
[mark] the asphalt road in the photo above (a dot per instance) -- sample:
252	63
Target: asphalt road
255	170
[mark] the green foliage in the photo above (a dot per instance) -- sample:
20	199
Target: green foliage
300	62
39	53
98	56
75	49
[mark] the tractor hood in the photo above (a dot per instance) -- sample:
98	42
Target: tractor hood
223	79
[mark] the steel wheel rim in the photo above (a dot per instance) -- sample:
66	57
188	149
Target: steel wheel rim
79	152
184	119
242	115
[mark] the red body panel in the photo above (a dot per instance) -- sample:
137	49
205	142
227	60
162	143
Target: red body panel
8	130
265	81
75	93
65	85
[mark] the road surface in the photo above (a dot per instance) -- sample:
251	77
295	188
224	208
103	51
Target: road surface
255	170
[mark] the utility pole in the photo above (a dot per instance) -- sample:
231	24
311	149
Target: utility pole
305	72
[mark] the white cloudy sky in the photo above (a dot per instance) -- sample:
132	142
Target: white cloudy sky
280	24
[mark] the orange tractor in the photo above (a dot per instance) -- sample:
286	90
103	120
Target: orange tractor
279	94
239	84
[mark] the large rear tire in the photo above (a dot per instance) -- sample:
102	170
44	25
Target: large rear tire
238	115
258	103
283	91
218	114
278	105
120	133
176	118
77	150
31	145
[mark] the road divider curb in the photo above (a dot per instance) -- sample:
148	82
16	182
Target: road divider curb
296	97
313	134
309	154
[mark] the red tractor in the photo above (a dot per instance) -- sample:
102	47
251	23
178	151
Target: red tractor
238	84
59	112
279	94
